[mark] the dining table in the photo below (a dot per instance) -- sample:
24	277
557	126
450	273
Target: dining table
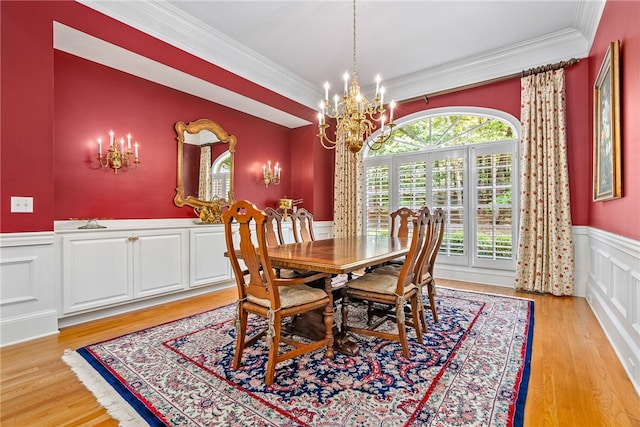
337	256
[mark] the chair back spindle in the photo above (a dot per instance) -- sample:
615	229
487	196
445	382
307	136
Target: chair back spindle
273	228
302	221
400	220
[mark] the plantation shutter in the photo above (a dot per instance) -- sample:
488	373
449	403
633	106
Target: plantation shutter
412	184
377	199
447	192
494	190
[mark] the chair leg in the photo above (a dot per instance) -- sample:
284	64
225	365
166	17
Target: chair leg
240	337
273	350
402	333
415	313
432	301
423	319
369	312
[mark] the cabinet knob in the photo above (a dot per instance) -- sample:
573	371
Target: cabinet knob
133	238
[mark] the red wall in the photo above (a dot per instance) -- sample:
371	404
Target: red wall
620	21
91	99
48	135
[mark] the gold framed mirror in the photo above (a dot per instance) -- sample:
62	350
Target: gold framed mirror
205	169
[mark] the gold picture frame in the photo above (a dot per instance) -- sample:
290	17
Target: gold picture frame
607	164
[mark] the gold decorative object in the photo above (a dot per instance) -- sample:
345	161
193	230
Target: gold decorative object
285	205
209	211
210	214
354	115
117	158
270	176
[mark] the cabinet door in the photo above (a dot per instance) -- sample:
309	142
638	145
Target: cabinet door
160	262
208	263
96	270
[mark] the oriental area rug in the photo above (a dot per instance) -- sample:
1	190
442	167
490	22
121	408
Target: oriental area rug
471	370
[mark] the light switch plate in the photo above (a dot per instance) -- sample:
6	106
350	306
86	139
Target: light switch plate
21	204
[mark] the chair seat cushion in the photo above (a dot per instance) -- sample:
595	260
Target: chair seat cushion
291	296
394	270
285	273
379	283
391	269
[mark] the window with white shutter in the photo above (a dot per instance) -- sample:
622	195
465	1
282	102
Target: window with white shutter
462	160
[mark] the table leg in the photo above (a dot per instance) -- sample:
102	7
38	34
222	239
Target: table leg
328	318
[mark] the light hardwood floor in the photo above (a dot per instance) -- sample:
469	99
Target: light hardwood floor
576	378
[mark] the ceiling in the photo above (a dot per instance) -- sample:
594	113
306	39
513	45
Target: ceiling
418	47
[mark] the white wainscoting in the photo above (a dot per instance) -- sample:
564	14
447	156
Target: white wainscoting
28	294
607	273
613	292
506	278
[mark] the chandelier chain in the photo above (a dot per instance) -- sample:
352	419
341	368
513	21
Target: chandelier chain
355	73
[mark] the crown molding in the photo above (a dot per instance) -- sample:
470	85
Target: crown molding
588	17
80	44
551	48
165	22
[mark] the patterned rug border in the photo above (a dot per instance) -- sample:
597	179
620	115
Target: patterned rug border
122	404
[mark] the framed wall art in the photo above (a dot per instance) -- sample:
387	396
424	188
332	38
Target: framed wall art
607	164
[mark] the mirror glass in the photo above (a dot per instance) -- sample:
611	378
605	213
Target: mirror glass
205	168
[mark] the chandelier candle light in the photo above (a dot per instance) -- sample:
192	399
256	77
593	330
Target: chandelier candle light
271	176
354	114
117	158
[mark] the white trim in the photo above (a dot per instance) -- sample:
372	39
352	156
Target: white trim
613	292
86	46
165	22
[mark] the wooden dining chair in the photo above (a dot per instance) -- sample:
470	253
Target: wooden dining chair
273	230
262	294
423	270
390	290
425	277
302	223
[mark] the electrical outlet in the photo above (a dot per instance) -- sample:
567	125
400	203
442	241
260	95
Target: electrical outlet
21	204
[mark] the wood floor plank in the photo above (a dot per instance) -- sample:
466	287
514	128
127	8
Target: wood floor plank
576	378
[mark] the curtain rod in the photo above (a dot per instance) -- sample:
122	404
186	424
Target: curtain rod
521	74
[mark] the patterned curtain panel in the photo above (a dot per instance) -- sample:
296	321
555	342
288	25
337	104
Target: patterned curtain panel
347	199
204	188
545	251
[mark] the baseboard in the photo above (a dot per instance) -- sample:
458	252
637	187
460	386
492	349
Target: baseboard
28	327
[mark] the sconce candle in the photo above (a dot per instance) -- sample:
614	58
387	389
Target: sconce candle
271	176
116	159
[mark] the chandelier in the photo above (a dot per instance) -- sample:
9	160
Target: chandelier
354	114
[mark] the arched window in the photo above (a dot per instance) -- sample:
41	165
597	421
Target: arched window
461	159
221	175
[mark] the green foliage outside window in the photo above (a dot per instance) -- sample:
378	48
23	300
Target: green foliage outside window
444	131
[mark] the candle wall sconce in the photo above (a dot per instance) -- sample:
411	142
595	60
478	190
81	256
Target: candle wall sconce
271	176
118	157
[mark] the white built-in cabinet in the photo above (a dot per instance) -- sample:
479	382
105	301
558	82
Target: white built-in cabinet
102	268
207	262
